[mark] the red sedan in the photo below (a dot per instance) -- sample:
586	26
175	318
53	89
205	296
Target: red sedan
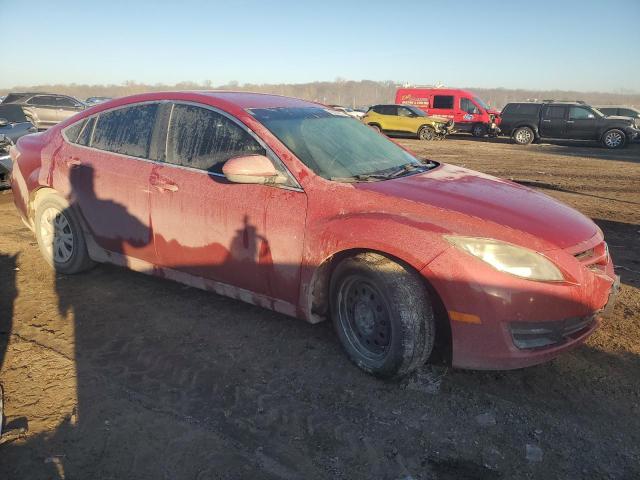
298	208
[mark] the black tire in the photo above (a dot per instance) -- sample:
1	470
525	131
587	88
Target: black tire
614	138
376	127
427	132
523	135
479	130
382	314
74	257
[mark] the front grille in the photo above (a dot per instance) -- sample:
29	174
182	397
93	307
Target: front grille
528	335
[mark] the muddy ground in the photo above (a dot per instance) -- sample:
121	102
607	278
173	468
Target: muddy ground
113	374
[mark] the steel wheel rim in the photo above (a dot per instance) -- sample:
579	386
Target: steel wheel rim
613	139
56	234
523	136
364	317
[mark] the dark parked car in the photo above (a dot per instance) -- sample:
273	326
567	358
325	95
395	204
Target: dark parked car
529	121
621	111
45	109
13	125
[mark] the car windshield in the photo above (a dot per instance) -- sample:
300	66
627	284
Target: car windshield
479	101
336	146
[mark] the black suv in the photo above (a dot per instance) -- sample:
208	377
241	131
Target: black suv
529	121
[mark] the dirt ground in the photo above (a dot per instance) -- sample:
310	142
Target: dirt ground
113	374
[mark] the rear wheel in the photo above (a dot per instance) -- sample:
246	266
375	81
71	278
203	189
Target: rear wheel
523	136
60	238
382	315
426	133
479	130
614	138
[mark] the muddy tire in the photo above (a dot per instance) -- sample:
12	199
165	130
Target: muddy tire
614	138
523	136
60	237
427	133
479	130
382	314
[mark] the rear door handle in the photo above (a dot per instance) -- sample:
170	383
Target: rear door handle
73	162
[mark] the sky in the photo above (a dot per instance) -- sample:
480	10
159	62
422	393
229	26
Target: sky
584	45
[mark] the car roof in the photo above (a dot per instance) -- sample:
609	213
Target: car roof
561	103
393	105
247	100
242	100
439	90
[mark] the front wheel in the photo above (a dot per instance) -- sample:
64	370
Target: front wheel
479	130
60	238
376	127
426	133
614	138
382	315
523	136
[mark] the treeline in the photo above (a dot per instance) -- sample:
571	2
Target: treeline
343	92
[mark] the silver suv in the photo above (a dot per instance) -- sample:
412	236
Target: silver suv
45	109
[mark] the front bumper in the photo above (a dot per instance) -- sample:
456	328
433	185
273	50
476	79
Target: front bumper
501	322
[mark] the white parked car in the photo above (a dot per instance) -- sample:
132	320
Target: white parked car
349	111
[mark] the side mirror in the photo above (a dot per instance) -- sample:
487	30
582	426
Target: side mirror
591	115
256	169
4	122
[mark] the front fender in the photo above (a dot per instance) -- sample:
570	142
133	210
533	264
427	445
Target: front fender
413	240
400	237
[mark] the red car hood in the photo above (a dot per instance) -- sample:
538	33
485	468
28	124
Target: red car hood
489	199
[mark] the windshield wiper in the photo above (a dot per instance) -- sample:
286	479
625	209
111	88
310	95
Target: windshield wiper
397	172
408	168
361	177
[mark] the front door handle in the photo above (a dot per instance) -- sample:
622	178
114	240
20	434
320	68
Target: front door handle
73	162
163	185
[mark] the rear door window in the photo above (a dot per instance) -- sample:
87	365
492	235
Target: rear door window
443	101
204	139
41	100
405	112
63	102
555	112
126	130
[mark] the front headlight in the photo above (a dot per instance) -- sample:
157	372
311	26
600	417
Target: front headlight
508	258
